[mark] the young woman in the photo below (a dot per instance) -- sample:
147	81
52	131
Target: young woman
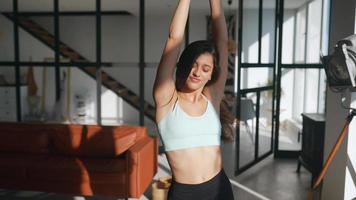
188	108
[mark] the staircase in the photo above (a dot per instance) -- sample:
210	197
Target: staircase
48	39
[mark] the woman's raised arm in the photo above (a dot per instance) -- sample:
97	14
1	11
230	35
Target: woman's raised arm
221	40
164	86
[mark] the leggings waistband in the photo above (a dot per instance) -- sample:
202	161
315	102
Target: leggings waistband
216	188
205	184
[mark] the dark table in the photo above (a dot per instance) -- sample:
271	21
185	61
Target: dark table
312	152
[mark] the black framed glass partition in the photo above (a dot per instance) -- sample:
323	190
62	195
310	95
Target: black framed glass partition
301	79
256	80
68	39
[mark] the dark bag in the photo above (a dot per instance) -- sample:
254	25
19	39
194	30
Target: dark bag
340	67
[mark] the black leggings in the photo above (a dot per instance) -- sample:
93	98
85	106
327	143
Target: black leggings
217	188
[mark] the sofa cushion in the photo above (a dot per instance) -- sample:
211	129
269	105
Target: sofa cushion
15	165
78	170
92	140
21	140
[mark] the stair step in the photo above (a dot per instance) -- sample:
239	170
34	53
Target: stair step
148	107
62	46
114	86
28	24
37	30
151	113
122	91
135	99
105	77
91	70
72	55
48	39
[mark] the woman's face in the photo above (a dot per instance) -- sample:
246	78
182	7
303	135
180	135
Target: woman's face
201	72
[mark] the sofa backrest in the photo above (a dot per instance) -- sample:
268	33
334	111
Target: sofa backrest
93	140
69	139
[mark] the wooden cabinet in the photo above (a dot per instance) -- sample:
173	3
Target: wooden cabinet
8	105
312	153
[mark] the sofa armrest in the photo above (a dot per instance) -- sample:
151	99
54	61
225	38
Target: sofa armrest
142	165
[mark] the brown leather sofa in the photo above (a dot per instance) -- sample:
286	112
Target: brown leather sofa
114	161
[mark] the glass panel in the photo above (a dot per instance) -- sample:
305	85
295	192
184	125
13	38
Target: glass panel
128	77
80	94
7	75
46	22
256	77
157	26
6	33
298	84
8	104
31	96
6	5
303	91
122	5
288	36
268	31
247	127
312	91
40	103
291	103
300	35
77	100
35	39
121	45
314	31
77	5
112	105
250	32
79	34
35	5
322	91
265	122
302	25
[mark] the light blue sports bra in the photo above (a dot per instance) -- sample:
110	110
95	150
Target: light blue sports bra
179	130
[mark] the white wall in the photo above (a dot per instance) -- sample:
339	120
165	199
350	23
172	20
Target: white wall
350	178
337	184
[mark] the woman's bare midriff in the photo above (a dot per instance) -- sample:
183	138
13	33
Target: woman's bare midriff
195	165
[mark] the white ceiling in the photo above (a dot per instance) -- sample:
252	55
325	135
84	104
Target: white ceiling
132	6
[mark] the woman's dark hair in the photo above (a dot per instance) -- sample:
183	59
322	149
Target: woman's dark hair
227	119
188	57
184	66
